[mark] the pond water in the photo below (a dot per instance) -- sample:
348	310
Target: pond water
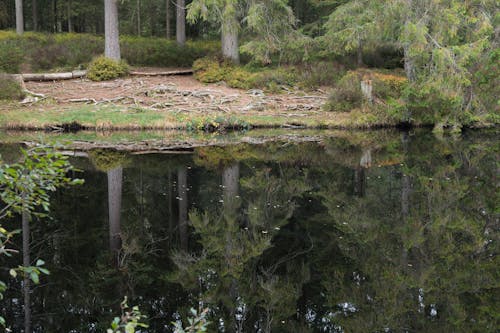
361	232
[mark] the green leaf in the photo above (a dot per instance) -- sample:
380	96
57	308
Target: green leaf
34	277
40	262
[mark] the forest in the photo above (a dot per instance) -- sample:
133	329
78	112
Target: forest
368	63
249	166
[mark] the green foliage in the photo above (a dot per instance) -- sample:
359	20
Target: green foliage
105	159
103	69
211	71
31	272
11	57
387	86
25	187
346	94
130	319
10	88
37	52
197	323
165	53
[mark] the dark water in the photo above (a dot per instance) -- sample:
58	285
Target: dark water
366	232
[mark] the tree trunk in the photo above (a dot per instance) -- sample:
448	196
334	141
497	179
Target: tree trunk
34	8
19	17
26	263
167	19
360	54
181	22
114	209
138	6
70	24
112	38
229	39
231	185
183	207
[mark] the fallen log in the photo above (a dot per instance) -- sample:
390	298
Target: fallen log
53	76
176	72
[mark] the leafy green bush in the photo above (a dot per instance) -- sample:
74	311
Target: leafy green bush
102	69
10	88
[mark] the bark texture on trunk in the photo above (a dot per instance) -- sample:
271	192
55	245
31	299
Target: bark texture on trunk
19	17
181	22
229	39
183	206
112	37
114	208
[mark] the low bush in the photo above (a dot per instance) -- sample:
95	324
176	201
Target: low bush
103	69
347	95
209	70
10	89
41	52
320	73
11	58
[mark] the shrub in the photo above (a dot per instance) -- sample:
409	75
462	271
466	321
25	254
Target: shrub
11	57
320	73
347	94
10	88
102	69
41	52
209	70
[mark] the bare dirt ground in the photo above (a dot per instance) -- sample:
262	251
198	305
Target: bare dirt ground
178	92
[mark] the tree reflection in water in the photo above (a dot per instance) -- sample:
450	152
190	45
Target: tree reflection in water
363	232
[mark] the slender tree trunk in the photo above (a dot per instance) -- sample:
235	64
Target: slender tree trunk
114	209
112	37
230	185
34	8
138	6
183	206
70	24
360	54
19	17
181	22
229	39
170	211
167	19
26	263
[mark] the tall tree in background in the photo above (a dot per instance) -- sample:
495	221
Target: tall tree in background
19	17
34	15
351	26
181	22
225	12
112	36
168	31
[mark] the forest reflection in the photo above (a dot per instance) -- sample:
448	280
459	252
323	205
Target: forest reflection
365	232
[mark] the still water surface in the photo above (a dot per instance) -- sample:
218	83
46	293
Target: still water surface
365	232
